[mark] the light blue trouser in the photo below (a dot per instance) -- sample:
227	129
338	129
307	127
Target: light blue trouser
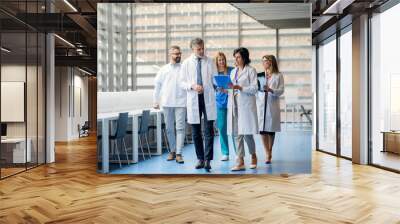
176	115
222	129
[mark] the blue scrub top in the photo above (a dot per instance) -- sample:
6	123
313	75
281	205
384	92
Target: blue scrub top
220	97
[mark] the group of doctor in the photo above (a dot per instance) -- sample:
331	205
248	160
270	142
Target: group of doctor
187	91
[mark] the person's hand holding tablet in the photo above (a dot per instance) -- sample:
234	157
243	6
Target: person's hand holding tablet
222	81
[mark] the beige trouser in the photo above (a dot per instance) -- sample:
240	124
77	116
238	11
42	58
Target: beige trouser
239	139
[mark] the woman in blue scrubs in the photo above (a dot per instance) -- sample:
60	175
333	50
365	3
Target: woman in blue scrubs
221	96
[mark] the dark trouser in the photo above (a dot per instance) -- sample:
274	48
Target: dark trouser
208	152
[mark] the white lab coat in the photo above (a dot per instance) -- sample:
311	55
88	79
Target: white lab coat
188	77
271	120
247	107
167	92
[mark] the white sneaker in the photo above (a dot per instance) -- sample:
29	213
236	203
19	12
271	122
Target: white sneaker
225	158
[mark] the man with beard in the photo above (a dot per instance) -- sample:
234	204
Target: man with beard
172	99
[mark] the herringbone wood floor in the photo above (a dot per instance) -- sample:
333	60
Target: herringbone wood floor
70	191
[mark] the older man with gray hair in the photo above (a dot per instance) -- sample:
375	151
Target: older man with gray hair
197	79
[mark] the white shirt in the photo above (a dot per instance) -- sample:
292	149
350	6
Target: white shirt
167	92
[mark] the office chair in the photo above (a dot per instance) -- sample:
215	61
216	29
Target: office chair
122	125
143	131
84	130
306	113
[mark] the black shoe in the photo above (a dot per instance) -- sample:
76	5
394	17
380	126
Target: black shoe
207	166
200	164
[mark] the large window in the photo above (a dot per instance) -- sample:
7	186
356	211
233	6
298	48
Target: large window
294	55
330	67
385	84
114	47
346	93
327	96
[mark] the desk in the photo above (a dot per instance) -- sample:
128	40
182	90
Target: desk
105	119
18	152
391	141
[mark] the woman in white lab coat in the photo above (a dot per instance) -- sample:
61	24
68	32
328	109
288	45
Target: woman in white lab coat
271	87
242	108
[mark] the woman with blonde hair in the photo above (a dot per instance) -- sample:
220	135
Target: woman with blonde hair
270	87
221	97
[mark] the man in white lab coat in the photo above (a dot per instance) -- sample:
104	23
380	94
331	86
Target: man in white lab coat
197	79
172	99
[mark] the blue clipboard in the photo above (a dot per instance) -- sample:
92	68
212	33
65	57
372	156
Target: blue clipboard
223	81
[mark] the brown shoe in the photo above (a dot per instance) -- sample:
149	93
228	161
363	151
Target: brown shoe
179	158
253	164
171	156
238	167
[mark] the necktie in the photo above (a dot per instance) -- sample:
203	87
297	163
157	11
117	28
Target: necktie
199	78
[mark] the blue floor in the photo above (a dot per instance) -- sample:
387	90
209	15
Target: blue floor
291	154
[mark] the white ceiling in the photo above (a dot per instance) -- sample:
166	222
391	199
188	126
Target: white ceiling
278	15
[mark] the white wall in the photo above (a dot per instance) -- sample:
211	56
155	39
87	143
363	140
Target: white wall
69	82
16	73
62	81
34	125
80	83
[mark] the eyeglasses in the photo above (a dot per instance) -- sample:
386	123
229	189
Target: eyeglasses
177	53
